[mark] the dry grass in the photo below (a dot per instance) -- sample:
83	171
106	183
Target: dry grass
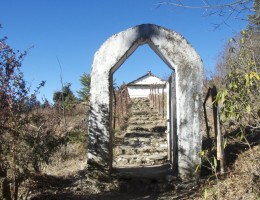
241	182
68	160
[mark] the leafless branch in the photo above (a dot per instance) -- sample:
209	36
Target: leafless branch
206	5
230	10
62	97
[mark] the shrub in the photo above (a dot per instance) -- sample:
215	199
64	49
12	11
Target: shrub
26	135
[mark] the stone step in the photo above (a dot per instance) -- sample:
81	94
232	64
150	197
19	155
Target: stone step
146	117
140	100
146	113
141	108
141	122
155	122
142	141
140	105
147	127
140	112
136	118
132	128
148	121
144	134
147	110
139	160
137	142
146	150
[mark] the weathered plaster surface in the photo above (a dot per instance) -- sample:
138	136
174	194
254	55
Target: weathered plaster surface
178	54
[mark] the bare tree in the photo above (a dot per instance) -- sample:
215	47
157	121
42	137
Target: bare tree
226	10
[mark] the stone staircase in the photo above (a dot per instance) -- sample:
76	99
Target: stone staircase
144	117
145	140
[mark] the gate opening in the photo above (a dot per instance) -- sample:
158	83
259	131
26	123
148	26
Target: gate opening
140	112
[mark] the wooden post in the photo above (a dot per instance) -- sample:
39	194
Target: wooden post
117	108
163	102
218	134
122	107
150	93
153	95
220	148
159	105
126	100
205	112
114	111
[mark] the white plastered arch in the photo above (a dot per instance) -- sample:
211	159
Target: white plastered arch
179	55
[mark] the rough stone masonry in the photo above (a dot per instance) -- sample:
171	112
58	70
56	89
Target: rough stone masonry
179	55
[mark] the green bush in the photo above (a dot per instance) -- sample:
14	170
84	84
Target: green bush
77	135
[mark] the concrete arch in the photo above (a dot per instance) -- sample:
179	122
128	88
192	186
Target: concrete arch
179	55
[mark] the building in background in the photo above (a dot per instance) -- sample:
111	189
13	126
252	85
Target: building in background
142	86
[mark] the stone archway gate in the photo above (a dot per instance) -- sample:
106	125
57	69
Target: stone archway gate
179	55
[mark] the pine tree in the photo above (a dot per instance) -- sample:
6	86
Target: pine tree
84	92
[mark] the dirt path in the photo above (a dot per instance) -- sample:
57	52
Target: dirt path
241	181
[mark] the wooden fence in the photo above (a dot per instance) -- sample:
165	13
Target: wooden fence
121	102
158	99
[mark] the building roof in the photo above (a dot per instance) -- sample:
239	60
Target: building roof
148	75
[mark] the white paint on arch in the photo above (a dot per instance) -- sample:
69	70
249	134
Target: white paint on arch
179	55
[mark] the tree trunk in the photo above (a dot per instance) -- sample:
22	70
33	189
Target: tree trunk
5	192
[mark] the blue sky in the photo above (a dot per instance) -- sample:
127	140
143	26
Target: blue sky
71	31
